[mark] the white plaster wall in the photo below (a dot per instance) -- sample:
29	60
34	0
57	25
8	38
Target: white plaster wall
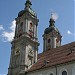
44	72
73	70
70	69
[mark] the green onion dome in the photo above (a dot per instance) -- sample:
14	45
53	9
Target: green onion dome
51	27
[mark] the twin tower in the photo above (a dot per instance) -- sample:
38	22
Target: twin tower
24	50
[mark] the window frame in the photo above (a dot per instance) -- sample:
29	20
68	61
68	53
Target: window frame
63	69
50	73
49	40
64	72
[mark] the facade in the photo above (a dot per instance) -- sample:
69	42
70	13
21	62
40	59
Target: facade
57	61
51	37
25	44
25	60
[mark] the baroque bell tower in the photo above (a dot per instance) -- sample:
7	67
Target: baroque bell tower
51	36
24	48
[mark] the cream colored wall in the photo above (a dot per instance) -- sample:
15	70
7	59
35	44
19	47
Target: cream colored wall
70	68
73	70
43	72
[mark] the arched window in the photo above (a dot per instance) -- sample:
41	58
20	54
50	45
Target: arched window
51	74
48	40
64	73
21	25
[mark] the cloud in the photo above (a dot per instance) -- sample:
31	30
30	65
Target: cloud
1	27
55	16
13	24
8	36
70	33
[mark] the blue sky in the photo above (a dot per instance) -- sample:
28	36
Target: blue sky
63	12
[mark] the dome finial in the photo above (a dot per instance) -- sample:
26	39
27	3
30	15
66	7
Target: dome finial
28	4
51	20
51	14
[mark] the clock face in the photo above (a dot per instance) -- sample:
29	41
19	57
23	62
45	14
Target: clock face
17	51
30	52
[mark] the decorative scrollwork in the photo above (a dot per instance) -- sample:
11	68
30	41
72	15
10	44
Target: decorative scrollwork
30	53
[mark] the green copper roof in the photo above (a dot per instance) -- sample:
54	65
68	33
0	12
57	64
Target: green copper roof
50	29
21	13
32	12
28	9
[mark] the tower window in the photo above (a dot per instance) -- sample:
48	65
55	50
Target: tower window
64	73
57	40
31	29
30	25
48	40
21	25
20	29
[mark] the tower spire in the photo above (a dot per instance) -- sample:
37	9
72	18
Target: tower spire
52	36
51	14
28	4
51	20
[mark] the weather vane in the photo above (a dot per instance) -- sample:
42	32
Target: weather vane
51	13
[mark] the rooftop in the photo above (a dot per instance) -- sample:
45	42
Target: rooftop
56	56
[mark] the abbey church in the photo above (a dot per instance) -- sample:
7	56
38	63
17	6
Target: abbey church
25	60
